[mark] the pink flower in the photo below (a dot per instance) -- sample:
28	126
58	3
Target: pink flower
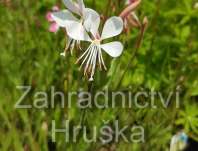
49	17
54	27
129	16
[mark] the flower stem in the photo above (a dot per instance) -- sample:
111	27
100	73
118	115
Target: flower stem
84	111
137	47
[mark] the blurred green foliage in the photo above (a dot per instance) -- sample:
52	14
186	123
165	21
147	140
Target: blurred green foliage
167	58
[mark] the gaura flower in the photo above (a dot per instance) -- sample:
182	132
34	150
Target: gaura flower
93	55
63	19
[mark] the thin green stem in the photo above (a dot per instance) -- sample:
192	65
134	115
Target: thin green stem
137	46
84	111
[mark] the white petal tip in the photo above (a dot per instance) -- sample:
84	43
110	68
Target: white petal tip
91	79
62	54
113	27
114	49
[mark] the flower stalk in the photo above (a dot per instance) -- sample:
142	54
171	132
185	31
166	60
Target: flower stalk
137	47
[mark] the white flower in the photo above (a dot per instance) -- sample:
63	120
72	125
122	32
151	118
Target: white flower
65	17
93	54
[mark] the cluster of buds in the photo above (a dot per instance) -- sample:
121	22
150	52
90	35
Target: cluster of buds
130	18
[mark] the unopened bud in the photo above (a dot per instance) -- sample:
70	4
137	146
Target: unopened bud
130	9
144	24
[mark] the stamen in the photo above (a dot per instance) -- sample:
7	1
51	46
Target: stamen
99	60
72	46
78	44
102	59
67	46
90	58
83	54
94	63
86	57
68	43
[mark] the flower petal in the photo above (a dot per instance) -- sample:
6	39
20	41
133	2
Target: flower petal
114	49
76	31
55	8
81	5
71	6
53	27
112	27
49	17
91	20
63	17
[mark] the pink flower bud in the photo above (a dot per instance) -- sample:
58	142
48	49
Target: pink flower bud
53	27
55	8
49	17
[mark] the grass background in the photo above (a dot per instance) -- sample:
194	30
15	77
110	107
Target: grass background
29	55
